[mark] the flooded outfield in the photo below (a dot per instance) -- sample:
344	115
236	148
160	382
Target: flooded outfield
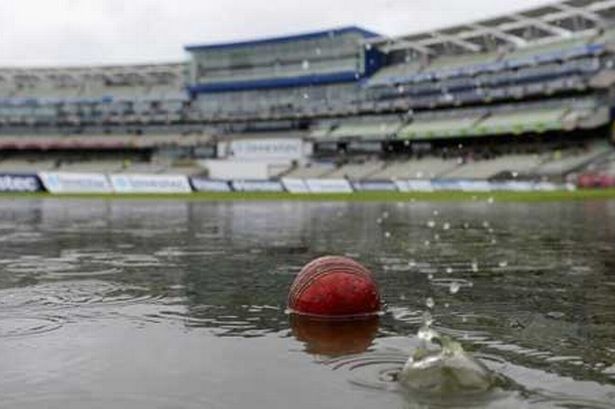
182	305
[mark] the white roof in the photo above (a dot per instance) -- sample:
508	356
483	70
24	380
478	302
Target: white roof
550	23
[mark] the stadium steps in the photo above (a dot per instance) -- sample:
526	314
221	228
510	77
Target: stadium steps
356	171
563	163
311	171
487	168
426	168
144	168
92	166
185	170
435	128
604	164
365	130
524	121
604	79
27	166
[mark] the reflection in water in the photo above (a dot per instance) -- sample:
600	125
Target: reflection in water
332	338
115	304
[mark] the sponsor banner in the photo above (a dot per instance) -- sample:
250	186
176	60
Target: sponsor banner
547	187
209	185
295	186
150	184
446	185
10	182
375	186
267	148
552	187
513	186
257	186
414	185
526	186
329	186
61	182
571	187
475	186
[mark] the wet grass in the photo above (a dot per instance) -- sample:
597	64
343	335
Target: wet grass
337	197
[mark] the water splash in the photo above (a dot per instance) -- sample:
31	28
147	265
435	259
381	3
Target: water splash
441	366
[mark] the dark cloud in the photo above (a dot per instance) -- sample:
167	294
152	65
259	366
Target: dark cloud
76	32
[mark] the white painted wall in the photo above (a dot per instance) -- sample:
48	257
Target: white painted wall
227	169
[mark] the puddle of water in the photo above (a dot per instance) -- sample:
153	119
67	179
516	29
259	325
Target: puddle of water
183	304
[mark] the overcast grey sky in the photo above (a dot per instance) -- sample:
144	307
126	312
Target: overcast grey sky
78	32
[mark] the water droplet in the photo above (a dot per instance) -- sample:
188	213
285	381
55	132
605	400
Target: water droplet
466	225
436	237
379	221
430	277
447	305
305	65
449	270
430	303
503	264
385	215
411	263
428	321
402	297
454	288
490	200
431	224
494	241
436	213
447	226
427	243
486	224
475	267
387	235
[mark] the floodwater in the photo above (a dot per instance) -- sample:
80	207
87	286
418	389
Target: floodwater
182	305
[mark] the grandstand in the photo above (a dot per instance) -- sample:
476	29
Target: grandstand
533	88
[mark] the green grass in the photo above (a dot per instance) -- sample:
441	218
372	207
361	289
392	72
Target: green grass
334	197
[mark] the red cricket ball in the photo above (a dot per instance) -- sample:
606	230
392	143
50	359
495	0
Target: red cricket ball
334	287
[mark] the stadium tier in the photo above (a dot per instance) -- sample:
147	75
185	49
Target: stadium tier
370	106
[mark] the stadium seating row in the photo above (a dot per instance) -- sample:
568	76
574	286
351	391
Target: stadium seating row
507	119
554	164
117	166
483	63
156	94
